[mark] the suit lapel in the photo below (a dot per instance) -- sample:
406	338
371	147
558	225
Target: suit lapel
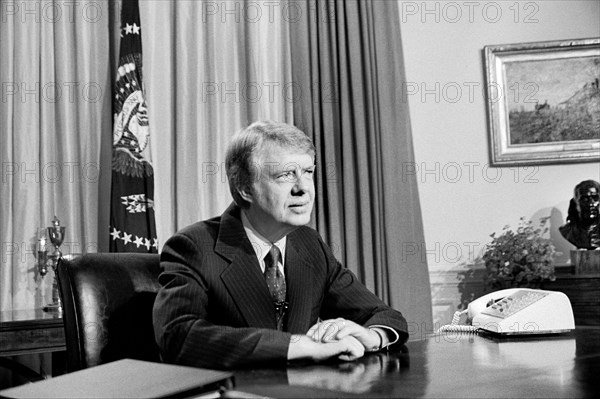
299	289
242	278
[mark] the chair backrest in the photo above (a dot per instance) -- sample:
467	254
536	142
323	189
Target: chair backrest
107	307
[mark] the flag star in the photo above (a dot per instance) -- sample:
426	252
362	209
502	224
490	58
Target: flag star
116	234
126	238
147	243
128	29
138	241
155	243
136	29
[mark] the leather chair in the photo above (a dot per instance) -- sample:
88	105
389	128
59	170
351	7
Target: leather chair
107	307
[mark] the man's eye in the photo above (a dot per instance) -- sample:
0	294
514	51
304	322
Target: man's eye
309	172
287	175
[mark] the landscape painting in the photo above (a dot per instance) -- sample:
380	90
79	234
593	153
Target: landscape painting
544	102
561	102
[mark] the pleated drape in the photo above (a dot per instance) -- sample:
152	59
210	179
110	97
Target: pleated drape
212	69
55	114
347	58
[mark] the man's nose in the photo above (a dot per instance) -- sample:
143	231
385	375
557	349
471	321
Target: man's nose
302	184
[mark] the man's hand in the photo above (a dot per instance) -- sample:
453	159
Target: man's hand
347	348
337	329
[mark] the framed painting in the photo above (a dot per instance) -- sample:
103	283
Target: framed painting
543	102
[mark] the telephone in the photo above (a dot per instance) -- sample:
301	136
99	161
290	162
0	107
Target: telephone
516	311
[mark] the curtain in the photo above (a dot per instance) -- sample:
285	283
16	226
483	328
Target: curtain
55	115
348	63
211	69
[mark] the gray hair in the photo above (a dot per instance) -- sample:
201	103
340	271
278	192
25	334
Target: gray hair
240	158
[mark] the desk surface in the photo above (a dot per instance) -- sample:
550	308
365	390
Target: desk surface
30	331
450	365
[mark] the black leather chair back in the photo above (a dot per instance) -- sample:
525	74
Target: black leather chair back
107	307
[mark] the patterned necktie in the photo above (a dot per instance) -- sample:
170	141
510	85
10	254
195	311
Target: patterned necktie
276	284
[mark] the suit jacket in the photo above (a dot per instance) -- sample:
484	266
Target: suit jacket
214	309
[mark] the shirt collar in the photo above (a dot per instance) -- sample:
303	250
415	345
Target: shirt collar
259	243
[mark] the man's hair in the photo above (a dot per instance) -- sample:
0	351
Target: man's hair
241	161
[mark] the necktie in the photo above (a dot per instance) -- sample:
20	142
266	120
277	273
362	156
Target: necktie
276	283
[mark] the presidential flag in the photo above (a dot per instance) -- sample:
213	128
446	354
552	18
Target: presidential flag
132	227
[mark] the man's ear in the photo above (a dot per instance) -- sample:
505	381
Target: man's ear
246	194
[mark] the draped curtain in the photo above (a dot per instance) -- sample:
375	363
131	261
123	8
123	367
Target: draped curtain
211	69
348	61
55	124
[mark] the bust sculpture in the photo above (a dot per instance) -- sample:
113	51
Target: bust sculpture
583	224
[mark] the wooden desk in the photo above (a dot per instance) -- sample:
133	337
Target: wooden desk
30	331
451	365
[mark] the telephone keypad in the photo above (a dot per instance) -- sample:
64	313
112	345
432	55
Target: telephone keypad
512	304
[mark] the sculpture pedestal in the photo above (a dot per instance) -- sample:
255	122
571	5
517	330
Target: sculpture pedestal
585	261
583	291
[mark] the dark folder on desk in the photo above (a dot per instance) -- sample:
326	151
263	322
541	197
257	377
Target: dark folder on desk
126	378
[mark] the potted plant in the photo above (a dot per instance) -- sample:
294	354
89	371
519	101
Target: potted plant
519	258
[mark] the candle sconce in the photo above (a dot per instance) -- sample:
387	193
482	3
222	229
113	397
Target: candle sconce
42	252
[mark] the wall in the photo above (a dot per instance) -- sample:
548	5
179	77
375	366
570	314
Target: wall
463	199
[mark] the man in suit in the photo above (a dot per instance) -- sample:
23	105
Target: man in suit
255	284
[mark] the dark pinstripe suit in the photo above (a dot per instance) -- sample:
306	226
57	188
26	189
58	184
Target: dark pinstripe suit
214	308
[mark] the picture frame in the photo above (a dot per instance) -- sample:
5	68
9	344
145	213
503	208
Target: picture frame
543	102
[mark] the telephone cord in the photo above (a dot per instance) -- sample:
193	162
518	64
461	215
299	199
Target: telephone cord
455	327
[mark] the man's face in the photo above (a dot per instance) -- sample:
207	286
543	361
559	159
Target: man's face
588	203
282	193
